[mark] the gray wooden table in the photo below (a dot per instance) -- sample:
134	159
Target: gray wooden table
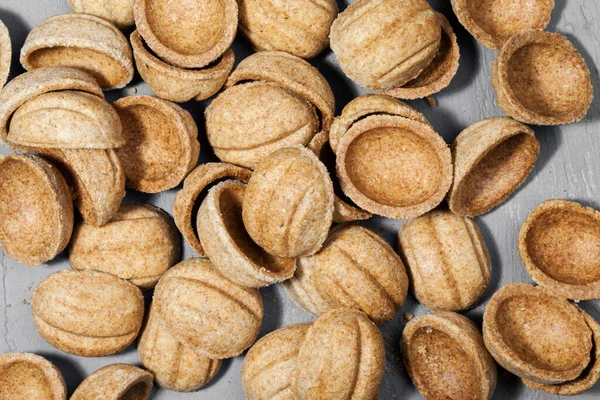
568	168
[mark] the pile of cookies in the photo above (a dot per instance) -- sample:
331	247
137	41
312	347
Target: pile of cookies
271	211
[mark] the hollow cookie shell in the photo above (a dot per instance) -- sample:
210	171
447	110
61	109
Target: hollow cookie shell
80	41
5	54
161	143
139	244
493	22
343	211
445	357
116	381
195	291
288	204
558	243
590	375
342	357
36	212
300	28
188	199
540	78
204	29
439	73
179	84
96	180
367	105
175	366
384	44
492	158
29	85
535	335
117	12
66	119
25	376
88	313
447	259
357	268
270	364
227	244
394	166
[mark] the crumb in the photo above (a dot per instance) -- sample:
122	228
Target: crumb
133	90
29	288
407	316
393	395
432	101
8	306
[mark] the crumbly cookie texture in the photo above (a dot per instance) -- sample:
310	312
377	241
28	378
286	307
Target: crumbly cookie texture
445	356
36	210
556	244
80	41
27	376
540	78
536	335
116	381
139	244
447	259
87	313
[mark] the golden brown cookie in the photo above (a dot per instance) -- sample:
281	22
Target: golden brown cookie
189	198
247	122
535	335
80	41
118	12
343	211
95	178
32	84
161	143
493	22
36	211
288	204
492	158
439	73
300	27
139	244
302	291
227	244
270	364
342	357
5	54
357	268
366	105
273	100
393	166
447	259
179	84
116	381
66	119
590	375
201	34
558	243
383	44
175	366
540	78
194	291
292	73
90	314
26	376
444	354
